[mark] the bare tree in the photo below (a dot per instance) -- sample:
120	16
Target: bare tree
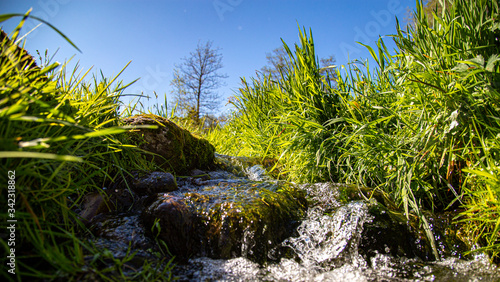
277	62
429	6
328	68
196	79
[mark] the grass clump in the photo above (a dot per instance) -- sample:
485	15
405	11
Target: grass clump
60	137
421	126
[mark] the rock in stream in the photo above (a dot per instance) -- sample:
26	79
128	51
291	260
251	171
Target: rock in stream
238	224
227	218
170	146
214	214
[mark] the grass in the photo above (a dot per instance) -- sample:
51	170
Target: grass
61	134
421	125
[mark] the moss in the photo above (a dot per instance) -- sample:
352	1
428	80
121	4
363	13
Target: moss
171	147
247	219
230	220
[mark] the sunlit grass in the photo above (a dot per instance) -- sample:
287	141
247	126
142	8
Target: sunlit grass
61	134
421	125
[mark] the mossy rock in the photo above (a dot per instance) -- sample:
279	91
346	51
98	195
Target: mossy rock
391	232
173	148
228	220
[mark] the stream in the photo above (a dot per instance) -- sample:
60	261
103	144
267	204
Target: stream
326	248
339	237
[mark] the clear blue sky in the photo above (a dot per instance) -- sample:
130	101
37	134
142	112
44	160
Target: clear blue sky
155	35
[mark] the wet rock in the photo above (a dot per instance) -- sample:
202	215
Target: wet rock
172	221
153	183
388	233
107	200
123	228
228	220
391	233
94	204
174	149
248	219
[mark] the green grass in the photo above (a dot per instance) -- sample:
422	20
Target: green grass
422	125
61	134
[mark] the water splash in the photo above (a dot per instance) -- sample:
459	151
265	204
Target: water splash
257	173
325	238
325	244
325	248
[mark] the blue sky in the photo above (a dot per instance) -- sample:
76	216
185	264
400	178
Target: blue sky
155	35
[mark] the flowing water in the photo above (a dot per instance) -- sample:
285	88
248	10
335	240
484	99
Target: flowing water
340	238
325	248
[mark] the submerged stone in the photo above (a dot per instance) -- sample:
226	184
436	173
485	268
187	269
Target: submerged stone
173	148
124	228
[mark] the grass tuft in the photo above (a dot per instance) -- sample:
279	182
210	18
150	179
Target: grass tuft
60	138
421	125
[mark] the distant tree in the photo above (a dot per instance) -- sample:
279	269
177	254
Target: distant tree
430	6
277	61
195	81
327	67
